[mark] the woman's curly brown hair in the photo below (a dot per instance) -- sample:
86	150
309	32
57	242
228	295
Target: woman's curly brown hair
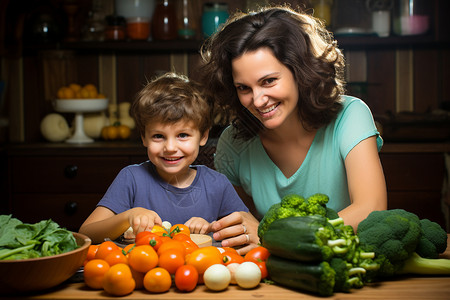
297	40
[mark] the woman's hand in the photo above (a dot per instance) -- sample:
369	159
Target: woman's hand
198	225
142	219
237	229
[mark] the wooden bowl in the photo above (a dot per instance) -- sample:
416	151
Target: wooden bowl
35	274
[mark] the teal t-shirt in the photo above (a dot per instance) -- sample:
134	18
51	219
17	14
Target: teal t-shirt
247	164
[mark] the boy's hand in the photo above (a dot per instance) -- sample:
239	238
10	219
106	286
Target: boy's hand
142	219
198	225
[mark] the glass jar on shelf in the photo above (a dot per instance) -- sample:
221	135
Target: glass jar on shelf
164	23
214	15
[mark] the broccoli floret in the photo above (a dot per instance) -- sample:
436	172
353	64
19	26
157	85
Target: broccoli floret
394	236
292	201
433	240
295	205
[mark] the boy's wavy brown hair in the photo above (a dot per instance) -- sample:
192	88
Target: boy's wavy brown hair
171	98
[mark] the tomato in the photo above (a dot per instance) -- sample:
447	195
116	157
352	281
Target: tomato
172	244
118	280
157	280
94	270
259	256
105	248
171	260
231	257
148	238
128	249
204	257
115	131
190	247
91	252
159	230
116	257
179	228
138	278
188	243
186	278
143	258
229	249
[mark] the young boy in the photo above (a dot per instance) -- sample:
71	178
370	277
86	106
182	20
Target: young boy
173	119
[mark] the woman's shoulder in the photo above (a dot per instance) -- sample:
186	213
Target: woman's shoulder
353	103
229	139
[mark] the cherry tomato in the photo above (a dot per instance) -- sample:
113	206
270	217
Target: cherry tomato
138	278
94	270
186	278
231	257
179	228
143	258
105	248
157	280
128	249
159	230
259	256
171	260
148	238
118	280
116	257
172	244
202	258
92	251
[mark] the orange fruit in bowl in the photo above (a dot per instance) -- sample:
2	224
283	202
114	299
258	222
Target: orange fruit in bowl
75	87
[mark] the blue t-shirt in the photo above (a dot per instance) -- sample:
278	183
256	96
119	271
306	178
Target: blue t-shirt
247	164
210	196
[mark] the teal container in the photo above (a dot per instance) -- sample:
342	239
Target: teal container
214	15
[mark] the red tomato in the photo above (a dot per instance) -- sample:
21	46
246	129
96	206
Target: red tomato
186	278
259	256
148	238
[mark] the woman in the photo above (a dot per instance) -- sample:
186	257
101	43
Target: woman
281	75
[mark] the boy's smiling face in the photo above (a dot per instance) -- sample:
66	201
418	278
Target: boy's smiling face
173	147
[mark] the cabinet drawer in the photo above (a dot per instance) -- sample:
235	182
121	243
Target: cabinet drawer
68	211
64	174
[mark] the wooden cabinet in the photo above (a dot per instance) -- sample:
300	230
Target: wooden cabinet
65	182
415	177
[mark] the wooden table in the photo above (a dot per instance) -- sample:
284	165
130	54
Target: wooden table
402	287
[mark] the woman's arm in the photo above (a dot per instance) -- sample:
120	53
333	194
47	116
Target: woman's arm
366	182
104	223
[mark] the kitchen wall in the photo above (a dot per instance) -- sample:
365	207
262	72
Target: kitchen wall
392	74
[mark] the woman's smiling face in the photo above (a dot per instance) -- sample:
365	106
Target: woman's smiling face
265	87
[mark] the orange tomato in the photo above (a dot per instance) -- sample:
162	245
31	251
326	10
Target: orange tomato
143	258
91	252
138	278
118	280
94	271
128	248
116	257
179	228
171	260
231	257
172	244
202	258
190	247
157	280
105	248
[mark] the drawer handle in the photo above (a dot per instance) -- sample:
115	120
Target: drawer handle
70	208
71	171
